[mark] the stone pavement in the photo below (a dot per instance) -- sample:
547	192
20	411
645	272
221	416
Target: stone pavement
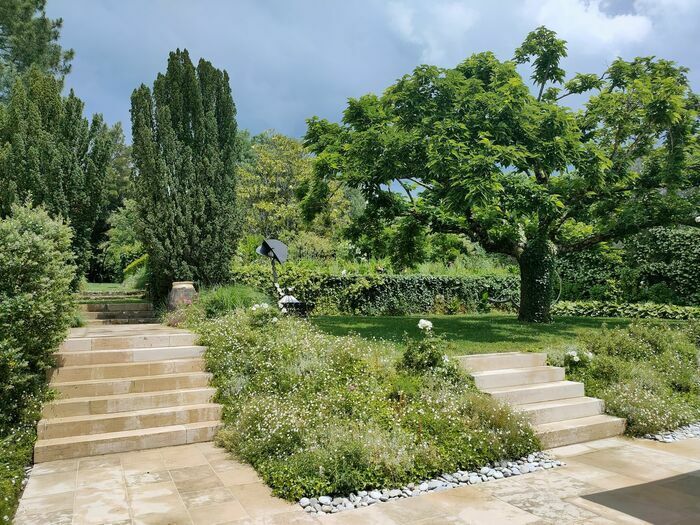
616	480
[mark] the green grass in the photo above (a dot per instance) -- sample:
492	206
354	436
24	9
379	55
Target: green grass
104	287
472	334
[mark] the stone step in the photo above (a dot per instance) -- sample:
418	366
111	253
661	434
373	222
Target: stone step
83	406
121	314
524	394
110	387
122	342
102	322
117	307
133	355
119	370
562	409
517	376
123	421
580	430
485	362
130	440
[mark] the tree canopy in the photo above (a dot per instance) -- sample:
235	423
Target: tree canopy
185	153
472	149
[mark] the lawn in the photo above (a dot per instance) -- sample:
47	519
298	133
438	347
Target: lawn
472	334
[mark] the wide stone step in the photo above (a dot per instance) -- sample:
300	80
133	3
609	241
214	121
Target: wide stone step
116	307
120	370
119	342
130	320
135	355
485	362
121	314
123	421
579	430
83	406
517	376
110	387
562	409
130	440
524	394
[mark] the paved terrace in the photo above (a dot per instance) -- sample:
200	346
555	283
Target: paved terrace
615	480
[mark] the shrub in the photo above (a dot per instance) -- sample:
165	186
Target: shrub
647	373
221	300
378	293
317	414
36	307
634	310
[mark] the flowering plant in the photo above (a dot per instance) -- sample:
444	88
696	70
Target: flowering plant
427	354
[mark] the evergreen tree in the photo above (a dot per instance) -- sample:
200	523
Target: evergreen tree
185	154
51	155
28	38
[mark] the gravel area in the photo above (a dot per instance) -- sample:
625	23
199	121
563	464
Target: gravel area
491	472
686	432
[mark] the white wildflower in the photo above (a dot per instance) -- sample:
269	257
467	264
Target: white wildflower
264	306
572	353
575	359
274	319
697	219
284	310
426	325
344	273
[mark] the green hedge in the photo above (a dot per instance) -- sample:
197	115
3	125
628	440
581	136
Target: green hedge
382	294
633	310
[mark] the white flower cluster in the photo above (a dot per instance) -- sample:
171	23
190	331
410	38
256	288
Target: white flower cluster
426	325
261	306
573	355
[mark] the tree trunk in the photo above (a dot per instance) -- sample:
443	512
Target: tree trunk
536	281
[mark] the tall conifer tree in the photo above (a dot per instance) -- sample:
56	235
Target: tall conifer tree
185	154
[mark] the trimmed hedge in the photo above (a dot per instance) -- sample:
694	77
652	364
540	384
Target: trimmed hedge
634	310
382	294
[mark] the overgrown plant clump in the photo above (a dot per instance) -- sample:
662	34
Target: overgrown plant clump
317	414
648	373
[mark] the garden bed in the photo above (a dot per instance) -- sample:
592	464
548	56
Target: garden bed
322	415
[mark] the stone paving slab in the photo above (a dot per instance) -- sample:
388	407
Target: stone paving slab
616	480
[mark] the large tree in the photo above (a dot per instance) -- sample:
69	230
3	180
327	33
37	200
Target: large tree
476	151
185	154
28	38
51	155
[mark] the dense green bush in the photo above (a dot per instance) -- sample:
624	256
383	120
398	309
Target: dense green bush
634	310
317	414
36	308
647	373
378	293
35	303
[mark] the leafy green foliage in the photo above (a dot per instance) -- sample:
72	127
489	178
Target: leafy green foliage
36	271
221	300
317	414
517	172
185	152
378	293
52	155
647	373
631	310
28	38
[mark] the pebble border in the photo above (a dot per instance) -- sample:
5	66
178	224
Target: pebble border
686	432
534	462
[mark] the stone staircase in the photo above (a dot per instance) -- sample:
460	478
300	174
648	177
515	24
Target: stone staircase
558	409
118	313
123	388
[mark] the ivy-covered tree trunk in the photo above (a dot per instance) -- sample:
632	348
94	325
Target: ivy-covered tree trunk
536	281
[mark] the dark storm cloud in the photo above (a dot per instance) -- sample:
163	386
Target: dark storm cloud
289	60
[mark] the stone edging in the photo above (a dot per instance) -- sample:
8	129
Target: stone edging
534	462
685	432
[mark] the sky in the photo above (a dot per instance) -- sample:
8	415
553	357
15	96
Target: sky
289	60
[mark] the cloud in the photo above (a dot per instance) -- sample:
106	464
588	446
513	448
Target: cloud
587	25
439	29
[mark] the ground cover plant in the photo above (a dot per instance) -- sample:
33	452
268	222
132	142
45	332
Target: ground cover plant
474	333
319	414
647	373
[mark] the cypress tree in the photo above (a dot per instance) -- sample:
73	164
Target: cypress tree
51	155
185	155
